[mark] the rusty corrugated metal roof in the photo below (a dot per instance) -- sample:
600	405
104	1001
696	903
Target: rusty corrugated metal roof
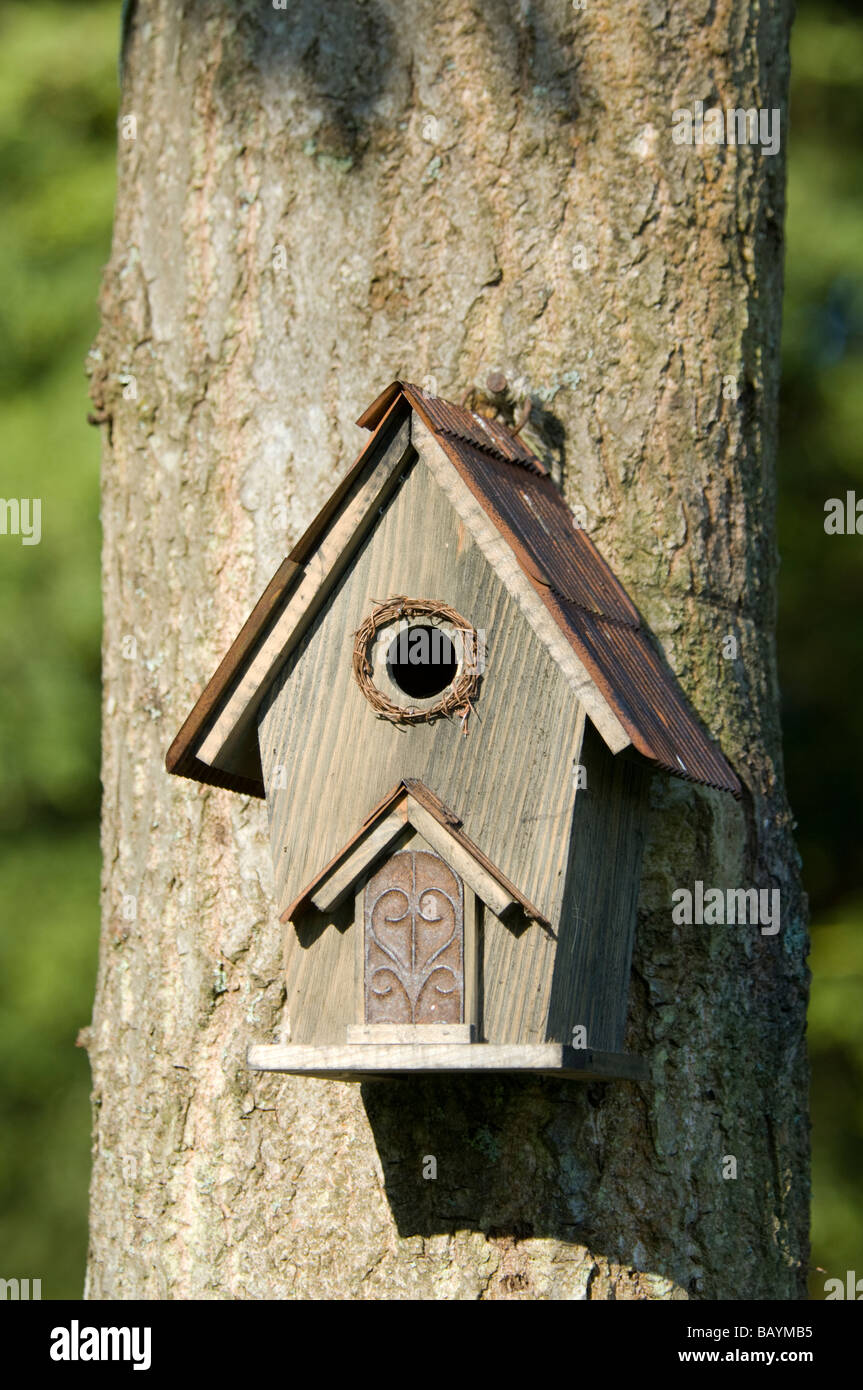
578	587
455	421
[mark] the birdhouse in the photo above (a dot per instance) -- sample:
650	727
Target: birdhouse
452	710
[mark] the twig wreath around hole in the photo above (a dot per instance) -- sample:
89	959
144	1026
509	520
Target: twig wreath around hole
458	696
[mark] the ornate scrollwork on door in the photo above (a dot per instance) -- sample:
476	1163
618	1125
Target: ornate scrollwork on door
414	941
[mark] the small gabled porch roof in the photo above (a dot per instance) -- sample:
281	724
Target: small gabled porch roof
412	803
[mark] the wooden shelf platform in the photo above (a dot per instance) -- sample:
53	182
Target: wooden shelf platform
364	1061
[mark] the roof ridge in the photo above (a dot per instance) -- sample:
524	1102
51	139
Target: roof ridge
430	802
530	465
445	417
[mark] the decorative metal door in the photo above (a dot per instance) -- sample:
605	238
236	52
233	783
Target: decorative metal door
414	941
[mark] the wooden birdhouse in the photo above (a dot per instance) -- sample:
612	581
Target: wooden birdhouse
452	709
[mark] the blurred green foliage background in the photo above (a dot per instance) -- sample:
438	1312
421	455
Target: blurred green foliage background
58	107
821	592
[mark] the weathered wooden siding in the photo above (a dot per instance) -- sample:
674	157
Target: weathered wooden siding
592	964
232	742
511	779
516	981
324	963
321	978
506	993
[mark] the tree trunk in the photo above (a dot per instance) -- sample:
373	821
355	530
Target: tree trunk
313	201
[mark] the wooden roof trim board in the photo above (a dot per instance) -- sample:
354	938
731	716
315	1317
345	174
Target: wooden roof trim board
665	730
611	662
567	592
217	728
411	802
524	584
442	417
181	757
326	558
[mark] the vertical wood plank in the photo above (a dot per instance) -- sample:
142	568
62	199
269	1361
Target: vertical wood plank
327	758
592	967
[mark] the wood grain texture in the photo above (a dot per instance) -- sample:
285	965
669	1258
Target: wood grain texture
472	960
337	885
517	968
482	882
510	780
321	991
435	1034
232	732
501	558
356	1062
597	930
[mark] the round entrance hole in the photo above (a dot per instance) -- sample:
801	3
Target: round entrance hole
421	661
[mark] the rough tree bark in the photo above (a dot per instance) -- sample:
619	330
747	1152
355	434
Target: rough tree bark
312	201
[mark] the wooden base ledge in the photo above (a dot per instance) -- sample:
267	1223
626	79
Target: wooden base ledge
362	1061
